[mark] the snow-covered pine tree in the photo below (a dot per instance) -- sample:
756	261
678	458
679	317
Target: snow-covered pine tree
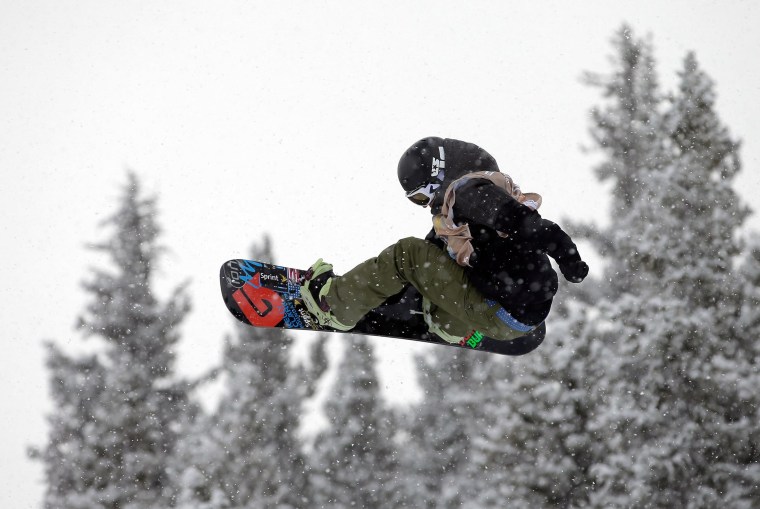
627	128
633	139
248	454
628	131
436	452
112	429
71	465
355	460
673	354
743	378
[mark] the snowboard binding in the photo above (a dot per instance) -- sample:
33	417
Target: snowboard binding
314	287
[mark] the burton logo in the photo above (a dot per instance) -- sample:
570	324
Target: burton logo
473	340
261	306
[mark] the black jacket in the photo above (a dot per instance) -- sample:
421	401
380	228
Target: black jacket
514	271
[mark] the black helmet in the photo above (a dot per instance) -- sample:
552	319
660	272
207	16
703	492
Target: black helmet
421	170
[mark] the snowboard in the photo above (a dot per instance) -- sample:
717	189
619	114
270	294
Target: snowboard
265	295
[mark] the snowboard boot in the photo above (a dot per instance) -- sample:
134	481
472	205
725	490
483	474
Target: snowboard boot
314	287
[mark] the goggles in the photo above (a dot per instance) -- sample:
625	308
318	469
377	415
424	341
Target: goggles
423	194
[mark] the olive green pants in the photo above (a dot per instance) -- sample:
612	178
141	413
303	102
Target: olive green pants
453	307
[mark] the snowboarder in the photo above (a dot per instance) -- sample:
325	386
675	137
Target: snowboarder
482	270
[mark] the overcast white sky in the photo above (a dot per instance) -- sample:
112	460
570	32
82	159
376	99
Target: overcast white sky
289	118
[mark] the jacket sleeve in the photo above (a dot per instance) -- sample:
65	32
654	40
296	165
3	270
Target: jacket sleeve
480	201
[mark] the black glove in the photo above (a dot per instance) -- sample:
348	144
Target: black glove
575	272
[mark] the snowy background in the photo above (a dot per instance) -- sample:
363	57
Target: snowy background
289	118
